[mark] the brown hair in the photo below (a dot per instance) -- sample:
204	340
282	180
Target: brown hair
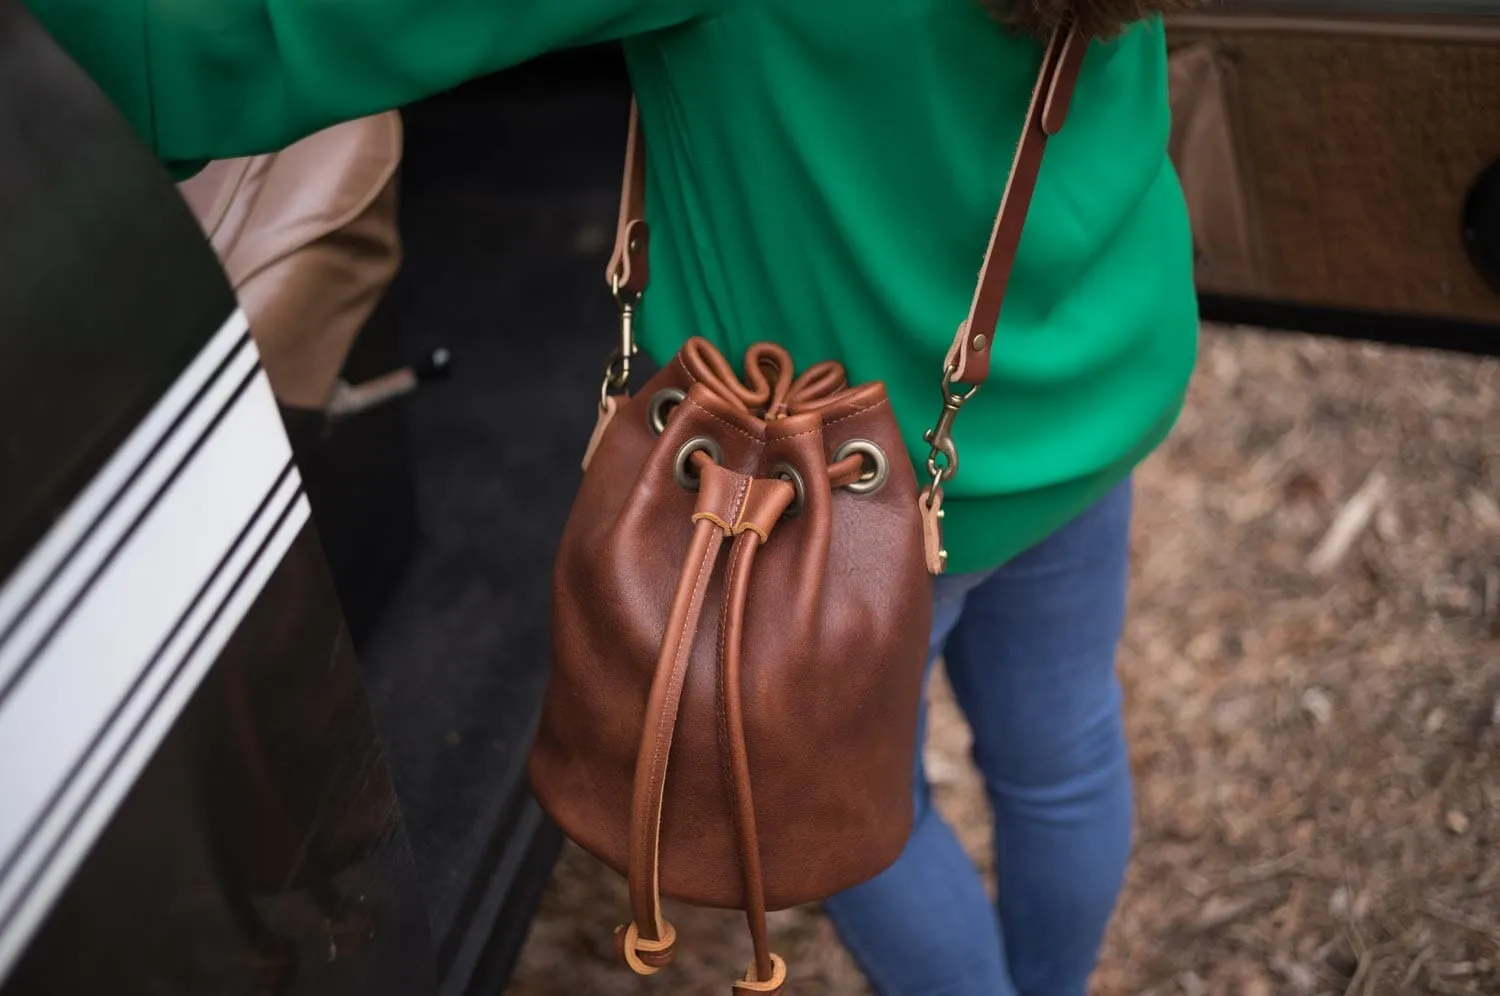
1098	18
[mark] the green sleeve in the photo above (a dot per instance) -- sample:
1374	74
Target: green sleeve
212	79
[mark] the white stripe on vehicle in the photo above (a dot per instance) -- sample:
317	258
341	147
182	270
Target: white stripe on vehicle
145	585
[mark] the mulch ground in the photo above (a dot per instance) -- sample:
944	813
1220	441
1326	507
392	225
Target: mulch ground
1313	679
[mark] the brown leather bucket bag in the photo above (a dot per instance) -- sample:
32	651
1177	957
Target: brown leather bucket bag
741	606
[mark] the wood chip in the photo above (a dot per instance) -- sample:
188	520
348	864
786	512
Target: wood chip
1253	983
1486	510
1318	705
1299	976
1351	521
1220	910
1192	984
941	769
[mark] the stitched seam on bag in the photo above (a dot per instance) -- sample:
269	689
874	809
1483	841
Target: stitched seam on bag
720	418
807	432
737	504
841	418
857	412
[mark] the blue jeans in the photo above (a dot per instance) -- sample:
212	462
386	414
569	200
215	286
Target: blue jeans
1030	651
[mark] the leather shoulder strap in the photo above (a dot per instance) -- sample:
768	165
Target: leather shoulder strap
969	358
629	270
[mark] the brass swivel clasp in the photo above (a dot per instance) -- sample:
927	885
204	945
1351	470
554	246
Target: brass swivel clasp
942	458
617	370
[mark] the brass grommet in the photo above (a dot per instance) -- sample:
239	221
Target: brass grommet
662	403
681	467
877	467
786	472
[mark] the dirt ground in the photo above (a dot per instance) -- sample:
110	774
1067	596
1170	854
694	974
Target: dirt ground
1313	681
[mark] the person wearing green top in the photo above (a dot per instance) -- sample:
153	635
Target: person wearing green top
824	174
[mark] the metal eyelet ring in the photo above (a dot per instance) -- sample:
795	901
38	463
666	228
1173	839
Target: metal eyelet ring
877	467
682	468
786	472
662	403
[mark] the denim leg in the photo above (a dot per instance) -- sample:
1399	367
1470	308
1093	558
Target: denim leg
1032	662
925	926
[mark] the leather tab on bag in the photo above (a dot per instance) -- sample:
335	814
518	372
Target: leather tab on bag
765	503
932	531
721	497
607	412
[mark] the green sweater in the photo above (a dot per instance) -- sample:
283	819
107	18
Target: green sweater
824	173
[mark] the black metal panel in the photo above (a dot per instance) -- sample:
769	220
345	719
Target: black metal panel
1481	224
358	475
1366	8
107	289
261	851
507	201
1417	331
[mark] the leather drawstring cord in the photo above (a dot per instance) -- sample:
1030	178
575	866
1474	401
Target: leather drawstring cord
745	509
767	973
